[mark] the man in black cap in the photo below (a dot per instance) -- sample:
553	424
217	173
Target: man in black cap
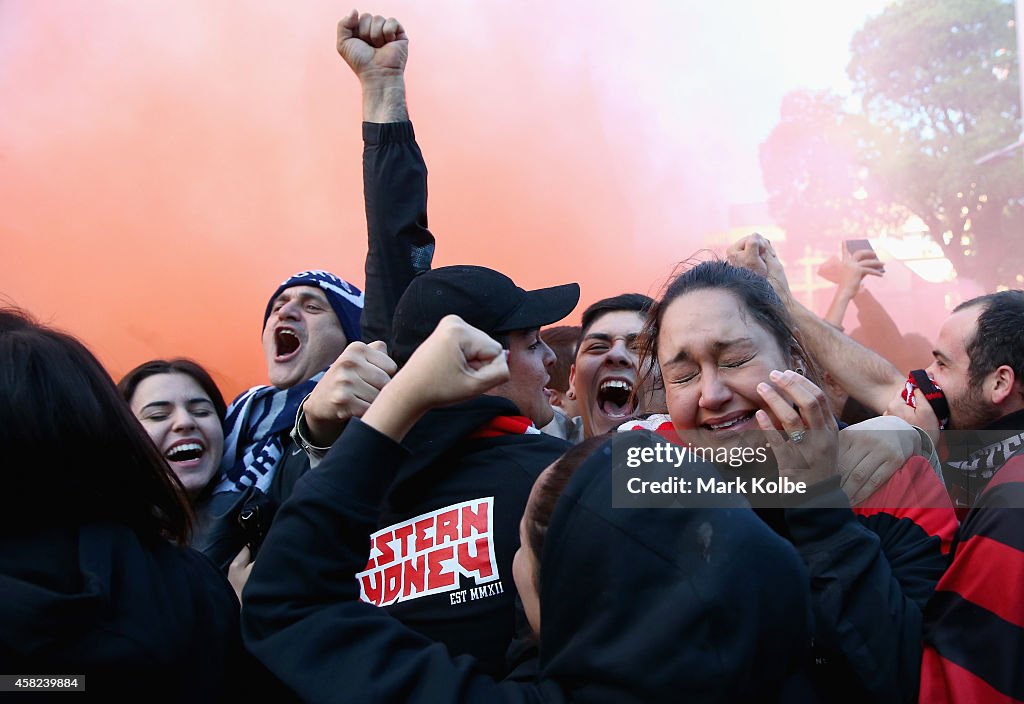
489	301
441	560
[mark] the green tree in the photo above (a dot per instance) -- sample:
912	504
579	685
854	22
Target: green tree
938	87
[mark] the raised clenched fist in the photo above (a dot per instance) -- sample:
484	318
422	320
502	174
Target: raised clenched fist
372	44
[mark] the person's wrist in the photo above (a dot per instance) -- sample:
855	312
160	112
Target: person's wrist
318	433
396	409
384	101
786	296
862	295
849	289
304	438
777	279
408	403
377	77
378	85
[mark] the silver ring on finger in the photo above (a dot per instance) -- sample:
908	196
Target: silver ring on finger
797	436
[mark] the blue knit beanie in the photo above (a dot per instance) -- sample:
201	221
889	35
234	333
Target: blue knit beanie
345	299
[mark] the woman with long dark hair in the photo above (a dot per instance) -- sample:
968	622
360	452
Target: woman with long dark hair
95	578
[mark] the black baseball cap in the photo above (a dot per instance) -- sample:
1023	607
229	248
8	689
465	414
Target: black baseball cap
486	299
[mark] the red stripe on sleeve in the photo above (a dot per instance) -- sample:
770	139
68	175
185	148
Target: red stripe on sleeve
1012	471
985	572
944	682
917	493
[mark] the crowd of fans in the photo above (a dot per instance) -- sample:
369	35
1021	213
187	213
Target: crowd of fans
424	505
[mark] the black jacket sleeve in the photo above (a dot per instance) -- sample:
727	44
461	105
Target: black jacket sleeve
218	534
400	245
302	615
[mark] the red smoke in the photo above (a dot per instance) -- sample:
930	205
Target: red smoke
163	166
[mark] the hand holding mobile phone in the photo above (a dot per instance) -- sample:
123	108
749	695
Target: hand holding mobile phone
862	265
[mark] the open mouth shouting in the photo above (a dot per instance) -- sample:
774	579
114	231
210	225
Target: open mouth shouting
286	344
615	399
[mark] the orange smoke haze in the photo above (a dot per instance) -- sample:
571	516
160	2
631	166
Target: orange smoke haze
164	166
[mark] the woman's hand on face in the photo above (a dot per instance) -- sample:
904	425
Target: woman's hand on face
808	450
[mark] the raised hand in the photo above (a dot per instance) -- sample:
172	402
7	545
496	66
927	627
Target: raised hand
348	388
755	252
457	362
850	271
372	44
749	253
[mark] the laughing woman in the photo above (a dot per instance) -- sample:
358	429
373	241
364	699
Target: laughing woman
182	410
737	378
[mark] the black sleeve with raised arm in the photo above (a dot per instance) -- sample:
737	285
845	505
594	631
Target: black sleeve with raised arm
399	243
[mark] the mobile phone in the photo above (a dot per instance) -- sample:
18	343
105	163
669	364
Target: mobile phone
857	245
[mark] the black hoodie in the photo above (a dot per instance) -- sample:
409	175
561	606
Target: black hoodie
718	604
652	605
156	622
470	488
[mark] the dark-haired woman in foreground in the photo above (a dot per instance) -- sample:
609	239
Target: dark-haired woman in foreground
736	376
94	576
629	605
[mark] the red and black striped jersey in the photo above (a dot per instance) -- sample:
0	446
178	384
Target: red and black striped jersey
974	623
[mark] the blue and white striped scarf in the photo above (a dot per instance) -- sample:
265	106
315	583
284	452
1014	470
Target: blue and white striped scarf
253	428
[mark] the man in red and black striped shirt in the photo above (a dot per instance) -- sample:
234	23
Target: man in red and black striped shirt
974	623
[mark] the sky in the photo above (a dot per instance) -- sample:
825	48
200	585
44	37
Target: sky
163	166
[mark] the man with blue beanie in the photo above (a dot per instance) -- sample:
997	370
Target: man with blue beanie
308	322
304	337
316	322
